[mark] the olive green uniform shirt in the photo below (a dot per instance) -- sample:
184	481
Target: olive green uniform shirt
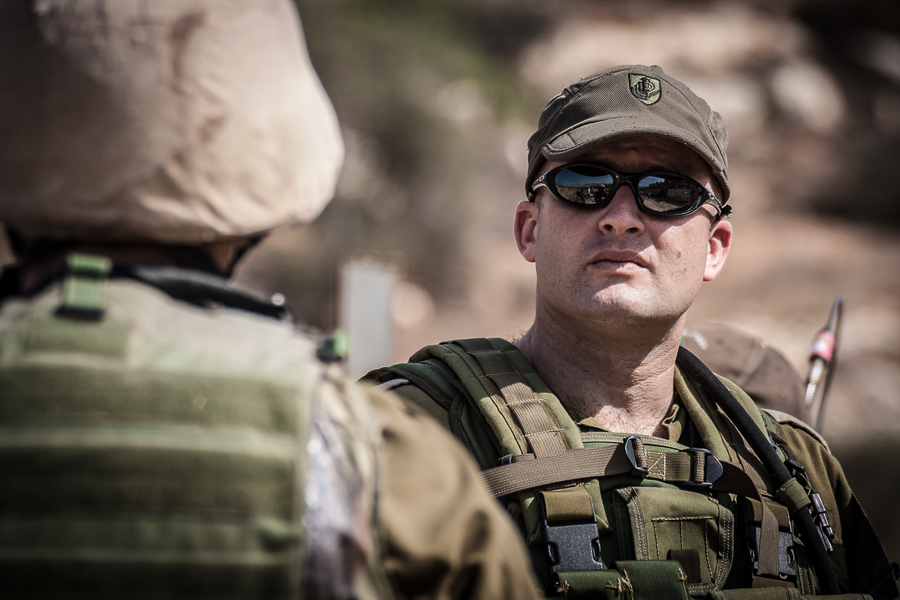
809	449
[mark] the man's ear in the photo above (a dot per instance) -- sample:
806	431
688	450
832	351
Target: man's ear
526	228
719	246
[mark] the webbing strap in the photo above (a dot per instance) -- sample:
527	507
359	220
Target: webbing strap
570	504
540	429
538	426
793	494
630	579
782	514
760	444
735	480
675	467
529	472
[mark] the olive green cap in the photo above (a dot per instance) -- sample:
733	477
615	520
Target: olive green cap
624	101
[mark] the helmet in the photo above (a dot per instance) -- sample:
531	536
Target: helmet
176	121
749	361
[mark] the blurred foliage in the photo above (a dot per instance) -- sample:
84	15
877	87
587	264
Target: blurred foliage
402	74
426	89
859	42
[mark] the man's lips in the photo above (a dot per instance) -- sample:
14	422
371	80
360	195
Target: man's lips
619	256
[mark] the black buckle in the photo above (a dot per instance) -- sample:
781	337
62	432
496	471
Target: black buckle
795	467
712	469
820	517
572	547
819	513
636	470
507	459
786	554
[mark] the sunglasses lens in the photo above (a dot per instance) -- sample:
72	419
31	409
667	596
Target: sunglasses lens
584	184
668	195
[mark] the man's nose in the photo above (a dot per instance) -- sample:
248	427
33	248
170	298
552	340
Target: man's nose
622	214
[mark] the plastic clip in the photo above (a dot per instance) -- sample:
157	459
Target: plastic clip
506	459
573	547
634	450
795	467
820	516
786	554
711	471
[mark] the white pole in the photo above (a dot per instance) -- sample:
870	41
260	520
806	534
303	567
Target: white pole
366	291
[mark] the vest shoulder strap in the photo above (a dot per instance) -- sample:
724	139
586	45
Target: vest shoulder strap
492	377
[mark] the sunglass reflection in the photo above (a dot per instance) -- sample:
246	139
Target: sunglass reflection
657	193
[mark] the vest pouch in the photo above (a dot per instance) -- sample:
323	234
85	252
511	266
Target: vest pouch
630	580
777	593
689	527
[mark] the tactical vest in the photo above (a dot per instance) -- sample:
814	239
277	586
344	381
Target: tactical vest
157	449
609	515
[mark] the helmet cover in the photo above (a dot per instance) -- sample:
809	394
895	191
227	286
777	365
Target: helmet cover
177	121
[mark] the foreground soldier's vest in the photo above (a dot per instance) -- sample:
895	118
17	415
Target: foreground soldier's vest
608	515
157	448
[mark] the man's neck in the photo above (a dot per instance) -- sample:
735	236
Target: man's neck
623	379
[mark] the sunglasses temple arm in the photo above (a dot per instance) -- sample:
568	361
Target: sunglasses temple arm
724	209
532	194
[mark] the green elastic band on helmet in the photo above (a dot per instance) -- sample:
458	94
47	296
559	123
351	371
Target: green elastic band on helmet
84	288
334	348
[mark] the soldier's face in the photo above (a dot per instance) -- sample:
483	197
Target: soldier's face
617	263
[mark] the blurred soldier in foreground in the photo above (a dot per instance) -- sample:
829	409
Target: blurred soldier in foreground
633	470
163	432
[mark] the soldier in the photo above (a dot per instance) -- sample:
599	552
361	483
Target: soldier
632	470
165	433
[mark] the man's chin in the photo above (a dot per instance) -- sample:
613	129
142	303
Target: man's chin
631	309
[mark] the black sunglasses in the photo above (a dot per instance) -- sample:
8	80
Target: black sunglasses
657	193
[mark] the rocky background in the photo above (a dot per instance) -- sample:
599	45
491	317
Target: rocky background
437	99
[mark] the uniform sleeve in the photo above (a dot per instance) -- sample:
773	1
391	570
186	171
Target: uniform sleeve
445	536
827	478
420	398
